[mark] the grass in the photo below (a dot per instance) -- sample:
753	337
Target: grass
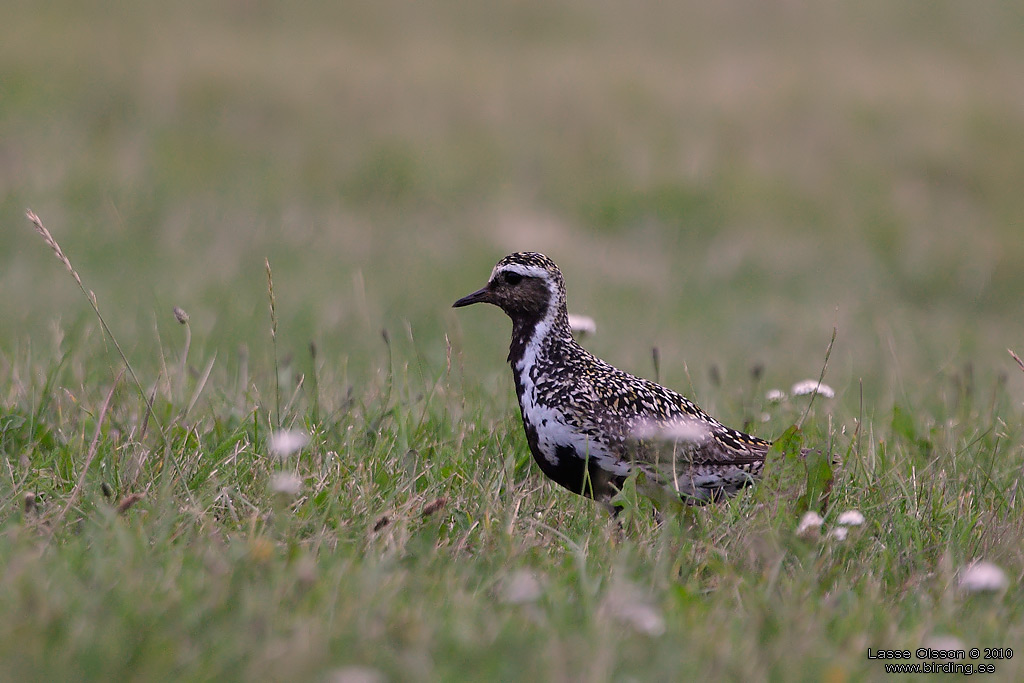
723	185
419	509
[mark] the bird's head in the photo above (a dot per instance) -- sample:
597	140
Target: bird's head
526	285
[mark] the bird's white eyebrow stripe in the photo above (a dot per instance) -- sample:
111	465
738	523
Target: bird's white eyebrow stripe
525	271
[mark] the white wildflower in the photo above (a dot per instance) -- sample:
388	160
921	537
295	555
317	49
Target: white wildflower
981	577
775	396
808	386
626	602
809	524
582	324
839	533
356	674
284	442
944	642
851	518
286	483
643	617
520	588
681	430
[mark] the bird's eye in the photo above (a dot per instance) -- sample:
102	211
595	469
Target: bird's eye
513	278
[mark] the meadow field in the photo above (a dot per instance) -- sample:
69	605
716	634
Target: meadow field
727	187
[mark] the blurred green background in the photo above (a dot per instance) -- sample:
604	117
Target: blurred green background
725	181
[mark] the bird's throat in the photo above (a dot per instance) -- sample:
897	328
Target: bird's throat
523	333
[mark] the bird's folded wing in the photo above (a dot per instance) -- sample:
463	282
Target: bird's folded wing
691	443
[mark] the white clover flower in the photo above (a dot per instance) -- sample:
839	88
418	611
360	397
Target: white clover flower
520	588
286	483
582	325
839	533
775	396
284	442
810	524
982	577
356	674
808	386
627	603
944	642
643	617
850	518
682	430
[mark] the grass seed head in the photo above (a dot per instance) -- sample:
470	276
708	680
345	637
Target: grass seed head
52	243
128	501
434	506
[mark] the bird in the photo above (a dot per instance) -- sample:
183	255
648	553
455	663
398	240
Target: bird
590	425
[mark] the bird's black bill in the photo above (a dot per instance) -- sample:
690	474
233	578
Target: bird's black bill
482	295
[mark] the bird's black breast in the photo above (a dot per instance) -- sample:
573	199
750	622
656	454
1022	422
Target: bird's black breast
573	470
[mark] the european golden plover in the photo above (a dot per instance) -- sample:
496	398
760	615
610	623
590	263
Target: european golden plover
590	425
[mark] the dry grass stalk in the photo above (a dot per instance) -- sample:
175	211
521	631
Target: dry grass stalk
182	317
200	385
273	339
1017	358
93	447
52	243
62	257
821	377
